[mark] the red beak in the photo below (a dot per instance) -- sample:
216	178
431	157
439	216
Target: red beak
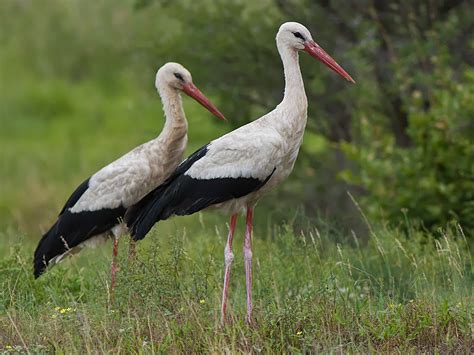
320	54
191	90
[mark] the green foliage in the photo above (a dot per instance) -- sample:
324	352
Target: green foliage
390	293
431	181
413	145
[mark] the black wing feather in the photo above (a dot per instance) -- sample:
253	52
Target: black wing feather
184	195
76	195
71	229
133	211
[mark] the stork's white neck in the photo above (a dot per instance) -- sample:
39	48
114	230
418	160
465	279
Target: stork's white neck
291	113
176	122
294	86
166	151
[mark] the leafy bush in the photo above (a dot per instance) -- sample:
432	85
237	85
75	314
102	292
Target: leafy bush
432	179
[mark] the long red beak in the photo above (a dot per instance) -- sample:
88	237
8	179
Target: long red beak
191	90
320	54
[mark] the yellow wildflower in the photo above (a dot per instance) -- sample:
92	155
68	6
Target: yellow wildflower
202	301
299	332
392	306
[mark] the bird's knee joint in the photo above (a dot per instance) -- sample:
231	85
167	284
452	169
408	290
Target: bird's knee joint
247	254
228	256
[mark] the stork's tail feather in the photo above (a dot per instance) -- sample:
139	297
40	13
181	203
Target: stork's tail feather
50	246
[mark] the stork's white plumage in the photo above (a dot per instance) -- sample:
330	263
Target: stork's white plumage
235	170
95	209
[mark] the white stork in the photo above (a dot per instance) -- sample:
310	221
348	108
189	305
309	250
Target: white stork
95	209
235	170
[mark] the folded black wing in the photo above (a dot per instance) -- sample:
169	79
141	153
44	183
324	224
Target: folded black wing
182	194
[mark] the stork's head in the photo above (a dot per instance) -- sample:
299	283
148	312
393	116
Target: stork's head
297	37
293	35
175	76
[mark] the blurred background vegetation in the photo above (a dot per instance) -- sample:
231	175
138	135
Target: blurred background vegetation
76	92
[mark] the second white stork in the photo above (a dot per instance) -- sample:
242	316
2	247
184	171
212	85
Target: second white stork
95	209
235	170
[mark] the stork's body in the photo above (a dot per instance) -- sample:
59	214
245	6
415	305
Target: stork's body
94	211
235	170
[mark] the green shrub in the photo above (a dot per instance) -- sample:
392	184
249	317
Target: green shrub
432	179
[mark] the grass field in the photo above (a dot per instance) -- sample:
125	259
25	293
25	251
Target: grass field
313	291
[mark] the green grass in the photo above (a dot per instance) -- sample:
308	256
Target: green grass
389	293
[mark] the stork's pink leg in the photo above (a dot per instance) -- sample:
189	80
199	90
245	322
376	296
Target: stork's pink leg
228	257
114	264
248	262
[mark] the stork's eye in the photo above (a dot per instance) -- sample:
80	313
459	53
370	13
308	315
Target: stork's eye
298	35
179	76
